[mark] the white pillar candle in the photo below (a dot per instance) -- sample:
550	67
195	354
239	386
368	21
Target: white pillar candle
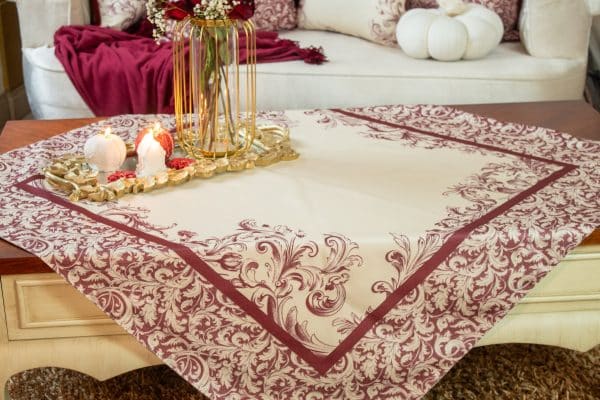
151	157
105	152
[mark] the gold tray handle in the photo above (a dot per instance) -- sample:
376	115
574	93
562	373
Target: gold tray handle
71	187
72	175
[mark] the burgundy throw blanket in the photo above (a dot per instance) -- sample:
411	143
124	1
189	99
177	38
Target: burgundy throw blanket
121	73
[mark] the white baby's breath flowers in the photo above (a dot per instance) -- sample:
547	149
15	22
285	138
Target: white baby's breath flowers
215	9
156	15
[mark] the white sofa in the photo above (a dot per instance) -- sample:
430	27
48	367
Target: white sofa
548	64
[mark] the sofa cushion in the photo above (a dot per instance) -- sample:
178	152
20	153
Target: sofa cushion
50	92
361	73
508	10
373	20
541	37
358	73
41	18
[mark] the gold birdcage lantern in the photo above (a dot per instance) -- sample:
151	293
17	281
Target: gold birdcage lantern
214	86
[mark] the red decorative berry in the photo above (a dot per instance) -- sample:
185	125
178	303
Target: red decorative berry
115	176
179	163
161	135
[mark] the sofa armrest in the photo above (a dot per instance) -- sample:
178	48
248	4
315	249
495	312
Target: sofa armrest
557	28
39	19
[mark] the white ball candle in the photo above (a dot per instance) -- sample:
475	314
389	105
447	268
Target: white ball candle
105	152
151	157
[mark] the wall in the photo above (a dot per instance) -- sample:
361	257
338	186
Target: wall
592	90
1	80
4	108
13	99
595	45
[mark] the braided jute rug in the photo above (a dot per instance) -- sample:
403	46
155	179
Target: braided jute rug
514	371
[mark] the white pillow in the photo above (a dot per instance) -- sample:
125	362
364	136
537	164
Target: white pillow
374	20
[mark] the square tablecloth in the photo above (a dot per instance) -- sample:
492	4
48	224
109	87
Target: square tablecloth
365	269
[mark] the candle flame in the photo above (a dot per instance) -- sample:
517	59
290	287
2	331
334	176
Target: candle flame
107	131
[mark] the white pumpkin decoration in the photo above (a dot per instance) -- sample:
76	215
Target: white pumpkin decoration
455	31
105	152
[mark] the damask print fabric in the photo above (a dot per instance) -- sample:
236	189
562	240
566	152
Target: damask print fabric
275	15
365	269
374	20
270	15
508	10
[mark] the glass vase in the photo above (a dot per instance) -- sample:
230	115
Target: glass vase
214	86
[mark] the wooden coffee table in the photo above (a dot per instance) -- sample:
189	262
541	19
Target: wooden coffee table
45	322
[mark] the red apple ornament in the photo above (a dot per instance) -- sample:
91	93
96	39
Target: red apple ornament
161	135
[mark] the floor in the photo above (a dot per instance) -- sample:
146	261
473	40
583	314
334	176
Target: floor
523	372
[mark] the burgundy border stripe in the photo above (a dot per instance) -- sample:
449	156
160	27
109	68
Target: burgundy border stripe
323	364
195	262
452	139
430	265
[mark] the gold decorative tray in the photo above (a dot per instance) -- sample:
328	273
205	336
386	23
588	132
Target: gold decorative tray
72	174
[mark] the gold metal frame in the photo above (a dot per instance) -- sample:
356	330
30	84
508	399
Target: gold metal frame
210	85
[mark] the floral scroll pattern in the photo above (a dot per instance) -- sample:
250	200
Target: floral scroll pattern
406	260
120	14
290	266
274	15
383	28
374	20
198	330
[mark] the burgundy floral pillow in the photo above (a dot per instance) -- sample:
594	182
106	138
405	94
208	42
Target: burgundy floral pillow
270	15
274	15
508	10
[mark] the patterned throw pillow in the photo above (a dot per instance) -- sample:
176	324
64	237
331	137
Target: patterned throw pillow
274	15
117	14
270	15
374	20
508	10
